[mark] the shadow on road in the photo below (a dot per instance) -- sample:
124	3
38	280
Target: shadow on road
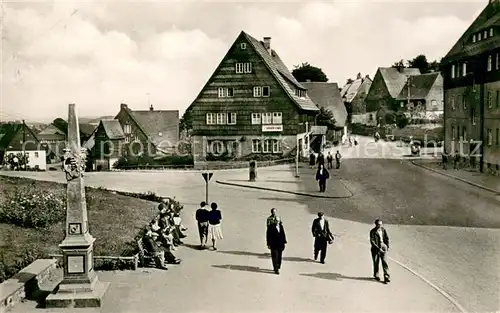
267	256
244	268
337	276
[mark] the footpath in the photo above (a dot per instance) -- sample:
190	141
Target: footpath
283	179
481	180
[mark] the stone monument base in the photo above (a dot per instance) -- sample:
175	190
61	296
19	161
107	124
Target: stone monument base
78	296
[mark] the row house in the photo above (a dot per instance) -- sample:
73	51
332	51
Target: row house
251	104
471	72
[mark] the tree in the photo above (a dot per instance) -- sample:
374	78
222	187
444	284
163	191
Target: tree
401	120
61	124
326	118
420	62
400	63
306	71
186	122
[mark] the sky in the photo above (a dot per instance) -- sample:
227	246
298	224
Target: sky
98	54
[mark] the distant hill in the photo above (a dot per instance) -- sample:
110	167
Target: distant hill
93	119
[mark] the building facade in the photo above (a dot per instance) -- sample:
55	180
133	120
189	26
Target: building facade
251	104
19	139
354	94
471	72
108	145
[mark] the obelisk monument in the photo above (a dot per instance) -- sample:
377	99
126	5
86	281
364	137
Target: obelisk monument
80	286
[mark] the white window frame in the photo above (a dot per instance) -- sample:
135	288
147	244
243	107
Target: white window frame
453	134
266	147
127	139
127	129
268	91
485	34
256	146
239	68
464	69
231	118
243	46
276	146
474	38
247	67
267	118
223	92
434	103
210	119
277	118
489	135
490	65
453	71
490	99
257	92
136	138
256	119
464	103
221	119
491	32
479	36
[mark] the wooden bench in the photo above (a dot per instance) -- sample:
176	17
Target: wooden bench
145	259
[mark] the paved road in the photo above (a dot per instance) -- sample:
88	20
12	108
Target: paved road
463	261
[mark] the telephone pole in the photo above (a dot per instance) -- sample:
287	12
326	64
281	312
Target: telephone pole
24	146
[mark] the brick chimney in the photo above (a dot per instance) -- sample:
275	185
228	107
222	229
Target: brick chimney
367	76
358	76
151	108
267	44
123	106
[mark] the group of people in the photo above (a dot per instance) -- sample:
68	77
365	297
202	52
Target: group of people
164	234
276	242
322	174
209	224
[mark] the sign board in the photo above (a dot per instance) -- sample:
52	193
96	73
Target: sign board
272	128
207	176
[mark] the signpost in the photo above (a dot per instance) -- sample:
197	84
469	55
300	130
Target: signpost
206	177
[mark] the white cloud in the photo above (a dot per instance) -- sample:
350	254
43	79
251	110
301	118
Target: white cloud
108	53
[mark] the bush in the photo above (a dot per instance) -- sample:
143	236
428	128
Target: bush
223	157
174	160
25	259
401	120
27	207
262	157
362	130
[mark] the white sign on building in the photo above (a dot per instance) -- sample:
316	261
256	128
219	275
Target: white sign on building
272	128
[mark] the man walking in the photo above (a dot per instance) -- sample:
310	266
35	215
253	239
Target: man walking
321	159
272	218
322	237
321	176
329	159
276	241
338	156
379	246
202	219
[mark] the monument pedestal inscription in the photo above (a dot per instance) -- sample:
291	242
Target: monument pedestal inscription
80	286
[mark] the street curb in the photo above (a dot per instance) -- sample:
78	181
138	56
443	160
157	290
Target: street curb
457	178
286	191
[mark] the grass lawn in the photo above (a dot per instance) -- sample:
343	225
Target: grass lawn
114	221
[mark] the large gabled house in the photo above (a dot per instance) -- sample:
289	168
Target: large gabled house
19	140
152	132
354	94
327	96
386	87
251	104
422	96
471	72
108	147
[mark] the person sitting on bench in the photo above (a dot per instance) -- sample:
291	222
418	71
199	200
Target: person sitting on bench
154	249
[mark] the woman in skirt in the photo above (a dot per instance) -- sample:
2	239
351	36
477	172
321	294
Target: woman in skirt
214	229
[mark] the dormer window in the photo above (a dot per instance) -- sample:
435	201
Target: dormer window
473	38
300	93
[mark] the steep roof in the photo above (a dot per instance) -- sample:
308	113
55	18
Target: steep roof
489	17
279	70
420	85
395	80
327	95
157	123
113	129
9	131
350	90
51	130
86	128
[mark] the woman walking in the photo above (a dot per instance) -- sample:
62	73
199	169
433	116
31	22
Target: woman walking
214	227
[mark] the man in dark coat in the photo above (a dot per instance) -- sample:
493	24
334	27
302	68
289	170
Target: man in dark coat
321	176
379	241
202	220
322	237
321	159
338	156
276	241
312	160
